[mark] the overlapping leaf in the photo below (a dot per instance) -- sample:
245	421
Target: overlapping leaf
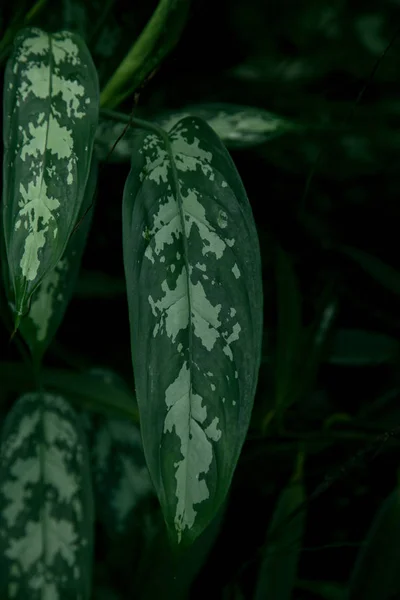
281	554
120	475
51	298
193	274
45	502
50	116
238	126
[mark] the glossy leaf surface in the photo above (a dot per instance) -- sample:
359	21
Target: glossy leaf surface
45	501
192	266
50	116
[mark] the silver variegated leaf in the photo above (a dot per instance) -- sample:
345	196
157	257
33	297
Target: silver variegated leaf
51	101
120	475
50	300
238	126
192	266
46	502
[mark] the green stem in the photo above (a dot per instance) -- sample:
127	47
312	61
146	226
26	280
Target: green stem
141	123
139	53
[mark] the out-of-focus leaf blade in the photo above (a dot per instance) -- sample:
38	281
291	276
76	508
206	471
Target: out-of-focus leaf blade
50	113
376	573
326	590
120	475
50	300
238	126
383	273
46	502
193	273
83	389
278	569
357	347
157	39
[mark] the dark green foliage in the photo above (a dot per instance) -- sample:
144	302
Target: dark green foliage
320	170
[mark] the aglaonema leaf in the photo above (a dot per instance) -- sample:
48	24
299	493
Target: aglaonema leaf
51	100
193	273
51	298
46	502
238	126
120	475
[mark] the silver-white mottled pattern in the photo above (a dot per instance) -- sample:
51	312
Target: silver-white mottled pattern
42	534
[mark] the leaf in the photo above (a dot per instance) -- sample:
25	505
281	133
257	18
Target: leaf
238	126
50	116
277	574
326	590
160	35
356	347
120	475
45	501
383	273
289	328
163	573
50	300
85	391
192	266
376	573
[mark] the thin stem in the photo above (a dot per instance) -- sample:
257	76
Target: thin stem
141	123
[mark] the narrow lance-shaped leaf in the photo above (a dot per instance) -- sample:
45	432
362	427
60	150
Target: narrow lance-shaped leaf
46	502
157	39
357	347
193	272
51	298
281	553
50	116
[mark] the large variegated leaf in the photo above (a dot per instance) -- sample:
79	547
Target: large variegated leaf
193	274
50	107
51	298
46	503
